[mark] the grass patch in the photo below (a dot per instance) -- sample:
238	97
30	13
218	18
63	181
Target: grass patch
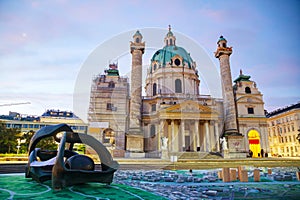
18	187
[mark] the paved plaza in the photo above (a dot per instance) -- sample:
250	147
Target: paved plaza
281	183
205	184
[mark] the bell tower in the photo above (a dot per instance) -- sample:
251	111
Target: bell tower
135	137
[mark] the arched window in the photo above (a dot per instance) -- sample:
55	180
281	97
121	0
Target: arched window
111	84
154	89
108	136
137	40
171	42
152	130
247	90
178	88
154	67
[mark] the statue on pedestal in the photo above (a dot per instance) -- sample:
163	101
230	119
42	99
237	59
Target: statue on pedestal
164	141
224	143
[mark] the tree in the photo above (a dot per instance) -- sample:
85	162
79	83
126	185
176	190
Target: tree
8	138
27	137
47	144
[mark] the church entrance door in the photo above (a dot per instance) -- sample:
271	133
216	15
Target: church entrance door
187	143
254	143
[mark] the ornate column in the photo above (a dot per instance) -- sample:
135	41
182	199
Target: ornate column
182	135
137	50
223	53
135	135
207	138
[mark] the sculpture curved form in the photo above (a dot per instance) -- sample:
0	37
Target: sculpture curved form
65	167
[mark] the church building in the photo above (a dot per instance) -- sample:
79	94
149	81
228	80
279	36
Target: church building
173	117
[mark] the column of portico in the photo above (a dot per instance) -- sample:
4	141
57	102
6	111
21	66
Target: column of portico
212	135
217	136
160	134
194	140
202	137
207	138
172	135
197	136
182	136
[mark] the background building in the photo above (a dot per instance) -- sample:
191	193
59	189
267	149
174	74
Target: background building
50	117
283	125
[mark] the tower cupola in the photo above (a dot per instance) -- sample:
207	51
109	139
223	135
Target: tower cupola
222	42
137	37
170	38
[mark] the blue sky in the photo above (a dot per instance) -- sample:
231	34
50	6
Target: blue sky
45	43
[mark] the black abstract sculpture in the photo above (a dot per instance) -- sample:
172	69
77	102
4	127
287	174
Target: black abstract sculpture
65	167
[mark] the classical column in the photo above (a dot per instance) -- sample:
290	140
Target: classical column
172	135
217	136
211	135
160	134
207	138
182	135
197	135
194	140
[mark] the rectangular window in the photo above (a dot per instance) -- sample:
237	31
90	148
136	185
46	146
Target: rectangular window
153	107
25	125
17	125
30	125
250	111
109	106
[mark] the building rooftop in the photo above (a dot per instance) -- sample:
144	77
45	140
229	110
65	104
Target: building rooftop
282	110
59	113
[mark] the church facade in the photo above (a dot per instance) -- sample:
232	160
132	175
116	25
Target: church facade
173	117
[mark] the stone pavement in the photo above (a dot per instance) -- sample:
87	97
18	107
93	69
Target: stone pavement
206	184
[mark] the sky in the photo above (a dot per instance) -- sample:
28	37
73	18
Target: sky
44	45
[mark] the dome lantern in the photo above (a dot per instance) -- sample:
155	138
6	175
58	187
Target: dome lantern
170	38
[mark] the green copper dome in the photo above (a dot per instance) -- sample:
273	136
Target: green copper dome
221	38
164	55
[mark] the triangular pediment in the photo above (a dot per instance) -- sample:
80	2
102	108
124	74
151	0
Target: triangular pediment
249	99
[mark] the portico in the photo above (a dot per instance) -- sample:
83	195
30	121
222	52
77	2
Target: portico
189	127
